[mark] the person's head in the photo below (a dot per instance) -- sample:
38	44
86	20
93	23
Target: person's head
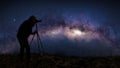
33	19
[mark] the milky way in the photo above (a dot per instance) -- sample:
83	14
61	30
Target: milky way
55	27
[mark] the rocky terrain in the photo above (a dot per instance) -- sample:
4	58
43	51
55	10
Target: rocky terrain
52	61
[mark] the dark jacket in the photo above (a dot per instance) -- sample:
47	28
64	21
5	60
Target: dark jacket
25	29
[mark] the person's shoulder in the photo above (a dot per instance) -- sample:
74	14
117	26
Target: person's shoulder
25	22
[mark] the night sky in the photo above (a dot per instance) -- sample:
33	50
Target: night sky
71	28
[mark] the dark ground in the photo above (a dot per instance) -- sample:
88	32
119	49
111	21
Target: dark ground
50	61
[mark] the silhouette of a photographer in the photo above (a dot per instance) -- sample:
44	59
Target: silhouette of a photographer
24	31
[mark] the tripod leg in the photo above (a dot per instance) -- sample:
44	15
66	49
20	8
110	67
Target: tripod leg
32	39
42	48
38	43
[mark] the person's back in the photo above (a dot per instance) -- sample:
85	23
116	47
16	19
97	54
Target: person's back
25	29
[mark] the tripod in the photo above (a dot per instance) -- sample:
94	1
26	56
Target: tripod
39	42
